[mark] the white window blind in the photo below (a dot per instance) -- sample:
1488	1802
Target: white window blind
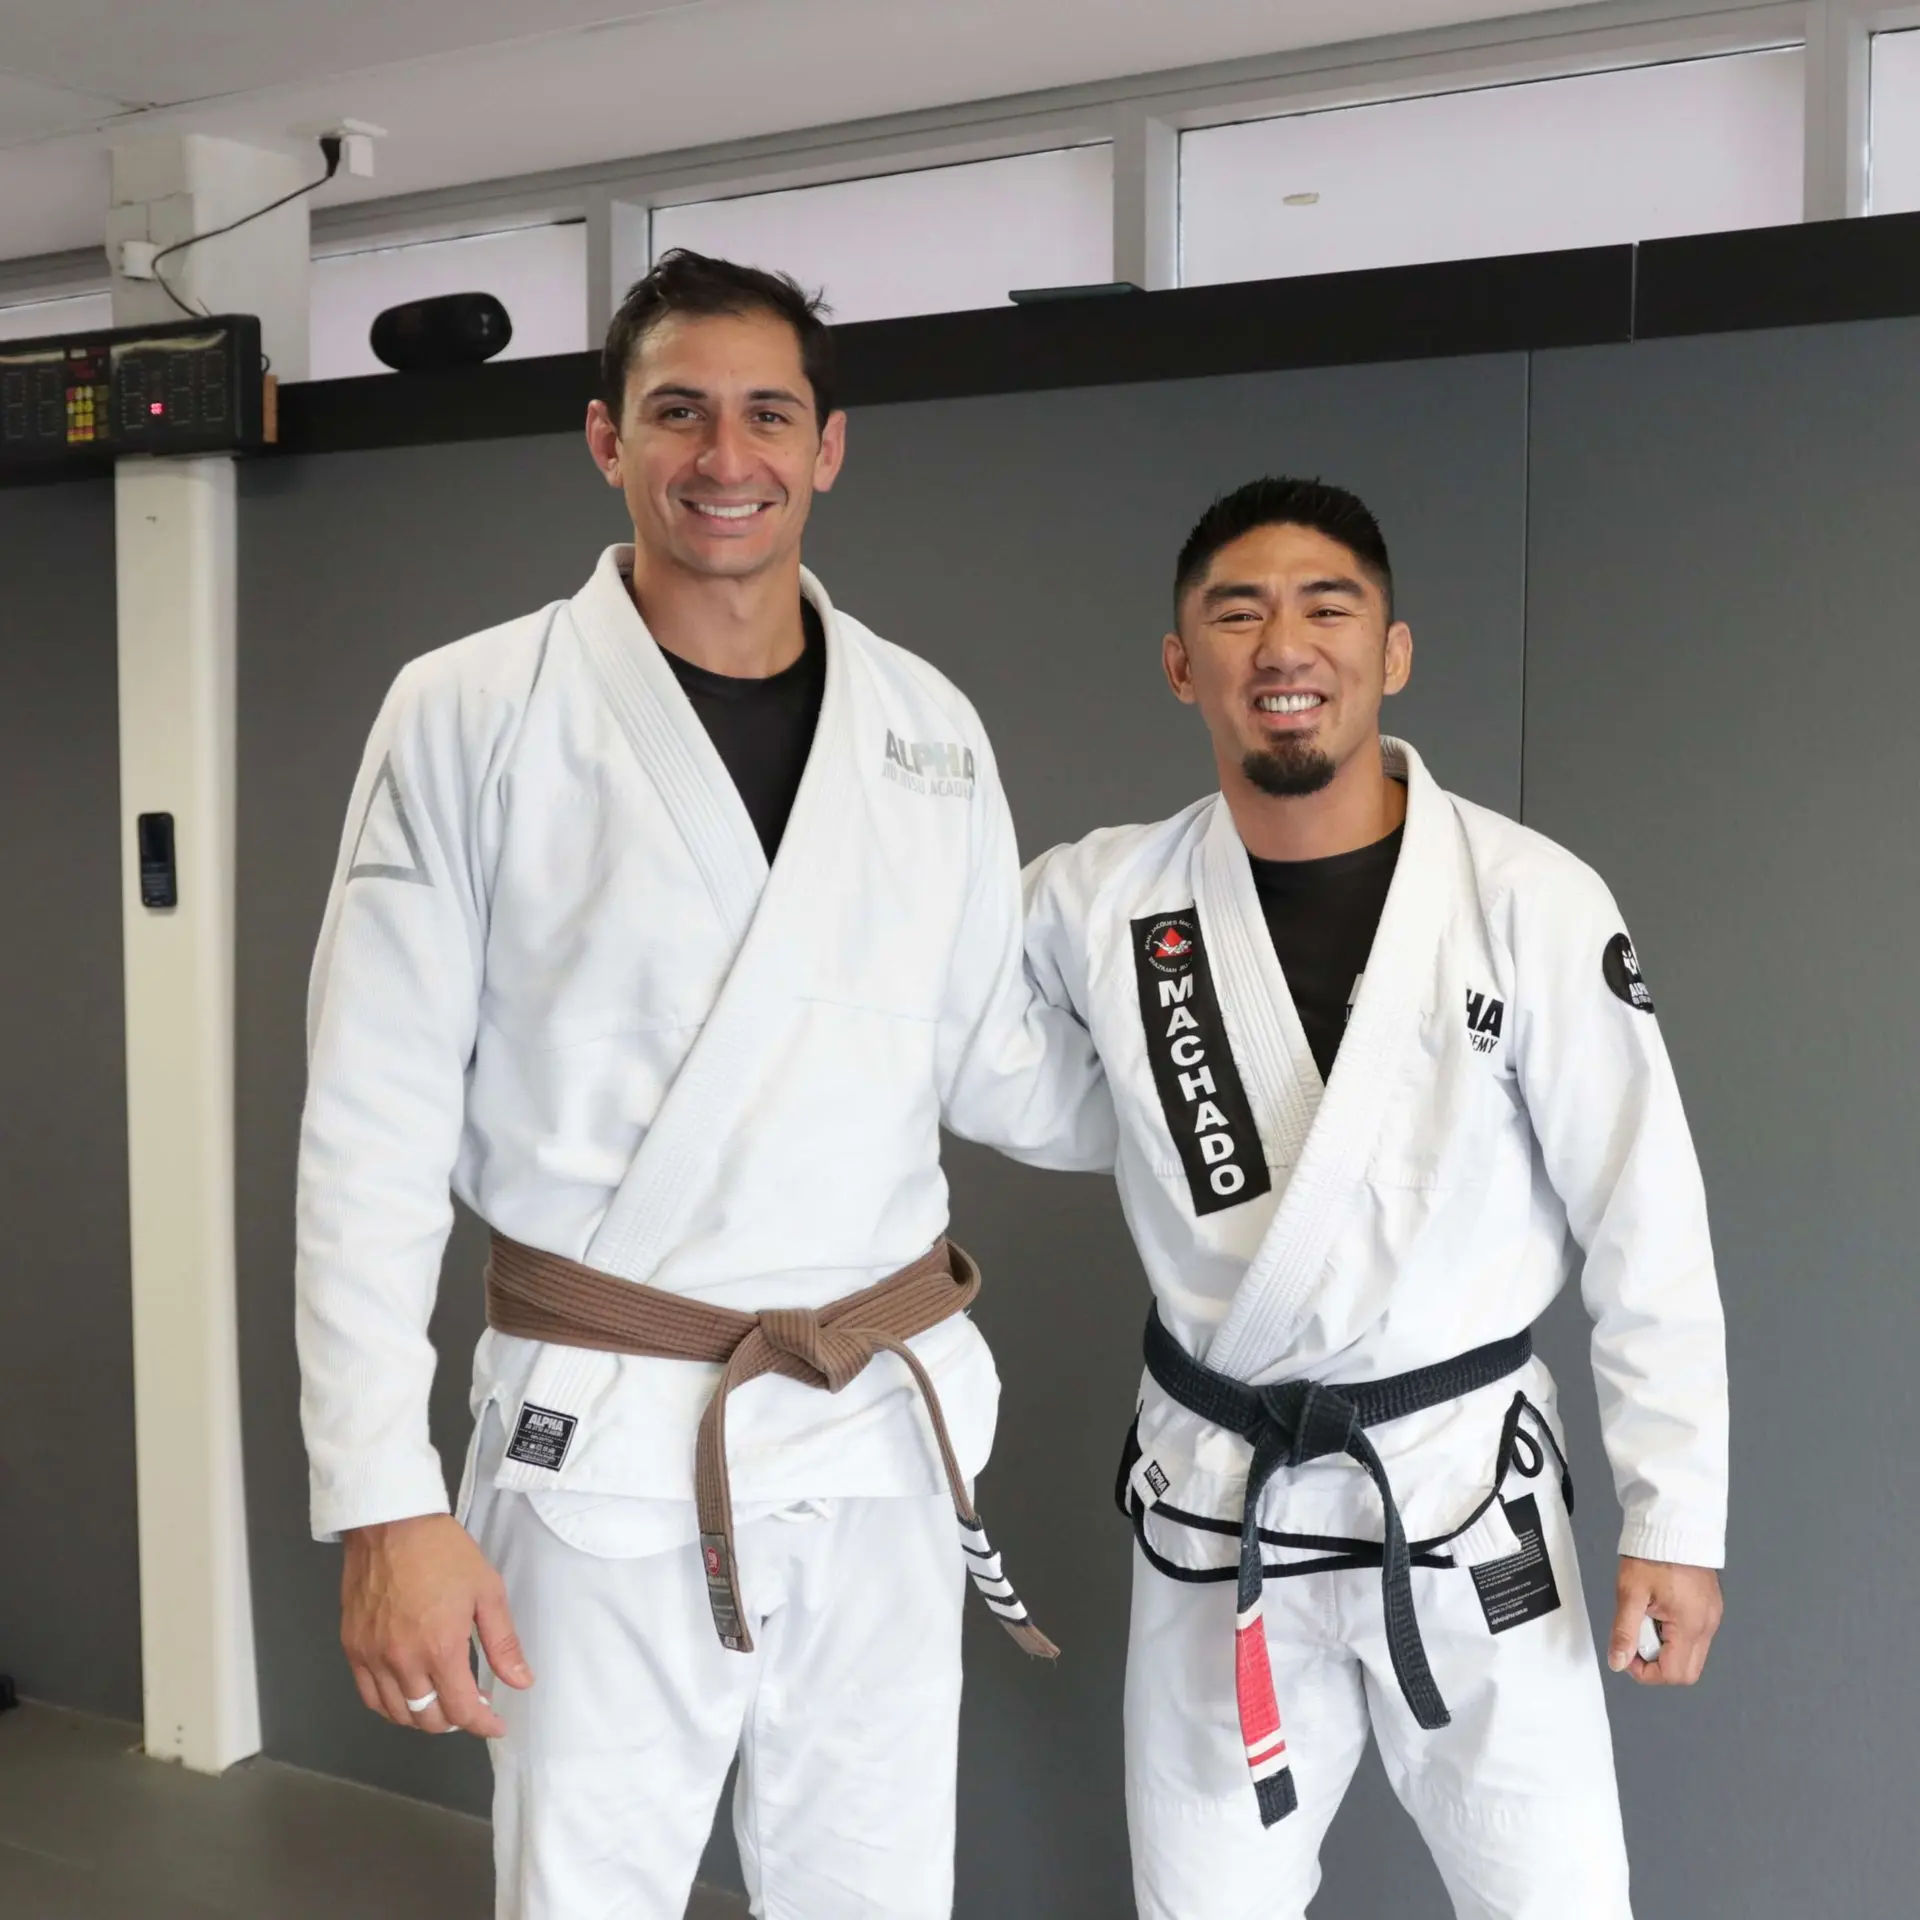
934	241
1687	147
1895	108
77	313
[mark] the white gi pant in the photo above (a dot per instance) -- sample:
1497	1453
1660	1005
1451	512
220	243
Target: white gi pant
1516	1799
844	1717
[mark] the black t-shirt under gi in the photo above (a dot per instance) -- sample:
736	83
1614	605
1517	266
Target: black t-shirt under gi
1323	915
762	729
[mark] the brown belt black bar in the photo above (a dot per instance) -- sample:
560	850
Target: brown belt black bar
544	1296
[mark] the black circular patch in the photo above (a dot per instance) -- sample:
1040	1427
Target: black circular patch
1170	943
1621	967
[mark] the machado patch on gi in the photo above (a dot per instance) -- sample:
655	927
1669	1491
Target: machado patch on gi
1200	1090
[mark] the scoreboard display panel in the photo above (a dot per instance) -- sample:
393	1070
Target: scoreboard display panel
190	386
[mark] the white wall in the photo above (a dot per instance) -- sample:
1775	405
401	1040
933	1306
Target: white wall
935	241
1688	147
538	273
1895	181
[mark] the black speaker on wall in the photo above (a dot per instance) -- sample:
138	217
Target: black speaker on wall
430	336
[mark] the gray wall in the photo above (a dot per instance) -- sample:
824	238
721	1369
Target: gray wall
69	1569
1720	682
1708	548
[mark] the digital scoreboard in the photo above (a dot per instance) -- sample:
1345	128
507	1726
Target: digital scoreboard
190	386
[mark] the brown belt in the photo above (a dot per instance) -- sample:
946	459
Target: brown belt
544	1296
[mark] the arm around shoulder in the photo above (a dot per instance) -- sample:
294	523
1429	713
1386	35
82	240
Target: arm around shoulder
1019	1070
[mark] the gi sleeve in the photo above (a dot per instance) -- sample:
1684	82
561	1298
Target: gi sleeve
1018	1070
391	1018
1605	1107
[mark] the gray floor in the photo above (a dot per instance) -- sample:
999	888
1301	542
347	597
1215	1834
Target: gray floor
90	1829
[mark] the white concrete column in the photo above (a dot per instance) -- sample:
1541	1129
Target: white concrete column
618	253
175	565
172	186
1838	50
1146	200
176	530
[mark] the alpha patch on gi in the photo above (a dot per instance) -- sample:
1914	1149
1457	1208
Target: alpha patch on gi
1200	1091
1148	1483
1520	1587
542	1437
1621	966
941	767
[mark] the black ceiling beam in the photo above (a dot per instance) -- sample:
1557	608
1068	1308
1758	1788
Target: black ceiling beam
1819	273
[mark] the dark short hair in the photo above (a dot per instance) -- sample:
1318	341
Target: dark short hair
1280	502
682	281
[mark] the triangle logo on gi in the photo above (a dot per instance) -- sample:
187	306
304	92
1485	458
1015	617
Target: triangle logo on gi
386	848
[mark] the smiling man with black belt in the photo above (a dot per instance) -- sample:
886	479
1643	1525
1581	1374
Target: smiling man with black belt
1383	1061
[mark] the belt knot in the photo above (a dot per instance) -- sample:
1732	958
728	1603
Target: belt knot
825	1354
1313	1420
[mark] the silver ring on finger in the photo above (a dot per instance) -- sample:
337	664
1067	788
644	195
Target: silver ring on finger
424	1702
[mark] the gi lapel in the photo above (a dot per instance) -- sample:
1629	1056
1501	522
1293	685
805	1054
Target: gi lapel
1278	1286
669	741
1269	1043
680	1156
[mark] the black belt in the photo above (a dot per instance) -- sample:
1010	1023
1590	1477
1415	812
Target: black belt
1295	1421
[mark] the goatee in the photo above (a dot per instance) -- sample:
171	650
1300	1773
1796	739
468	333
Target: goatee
1289	771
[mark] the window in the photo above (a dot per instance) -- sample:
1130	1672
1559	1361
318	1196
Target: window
77	313
934	241
1689	147
539	274
1895	108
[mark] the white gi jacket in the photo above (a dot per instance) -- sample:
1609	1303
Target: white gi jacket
557	976
1502	1100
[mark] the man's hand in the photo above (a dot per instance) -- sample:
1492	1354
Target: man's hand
1686	1603
411	1595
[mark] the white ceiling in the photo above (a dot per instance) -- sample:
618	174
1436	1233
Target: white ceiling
467	93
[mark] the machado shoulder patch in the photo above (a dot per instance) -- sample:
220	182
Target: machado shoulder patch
1201	1094
1620	966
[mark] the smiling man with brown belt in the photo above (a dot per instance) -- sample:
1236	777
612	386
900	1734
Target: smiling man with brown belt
670	925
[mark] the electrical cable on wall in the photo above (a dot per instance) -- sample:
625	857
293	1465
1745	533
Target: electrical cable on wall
331	145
